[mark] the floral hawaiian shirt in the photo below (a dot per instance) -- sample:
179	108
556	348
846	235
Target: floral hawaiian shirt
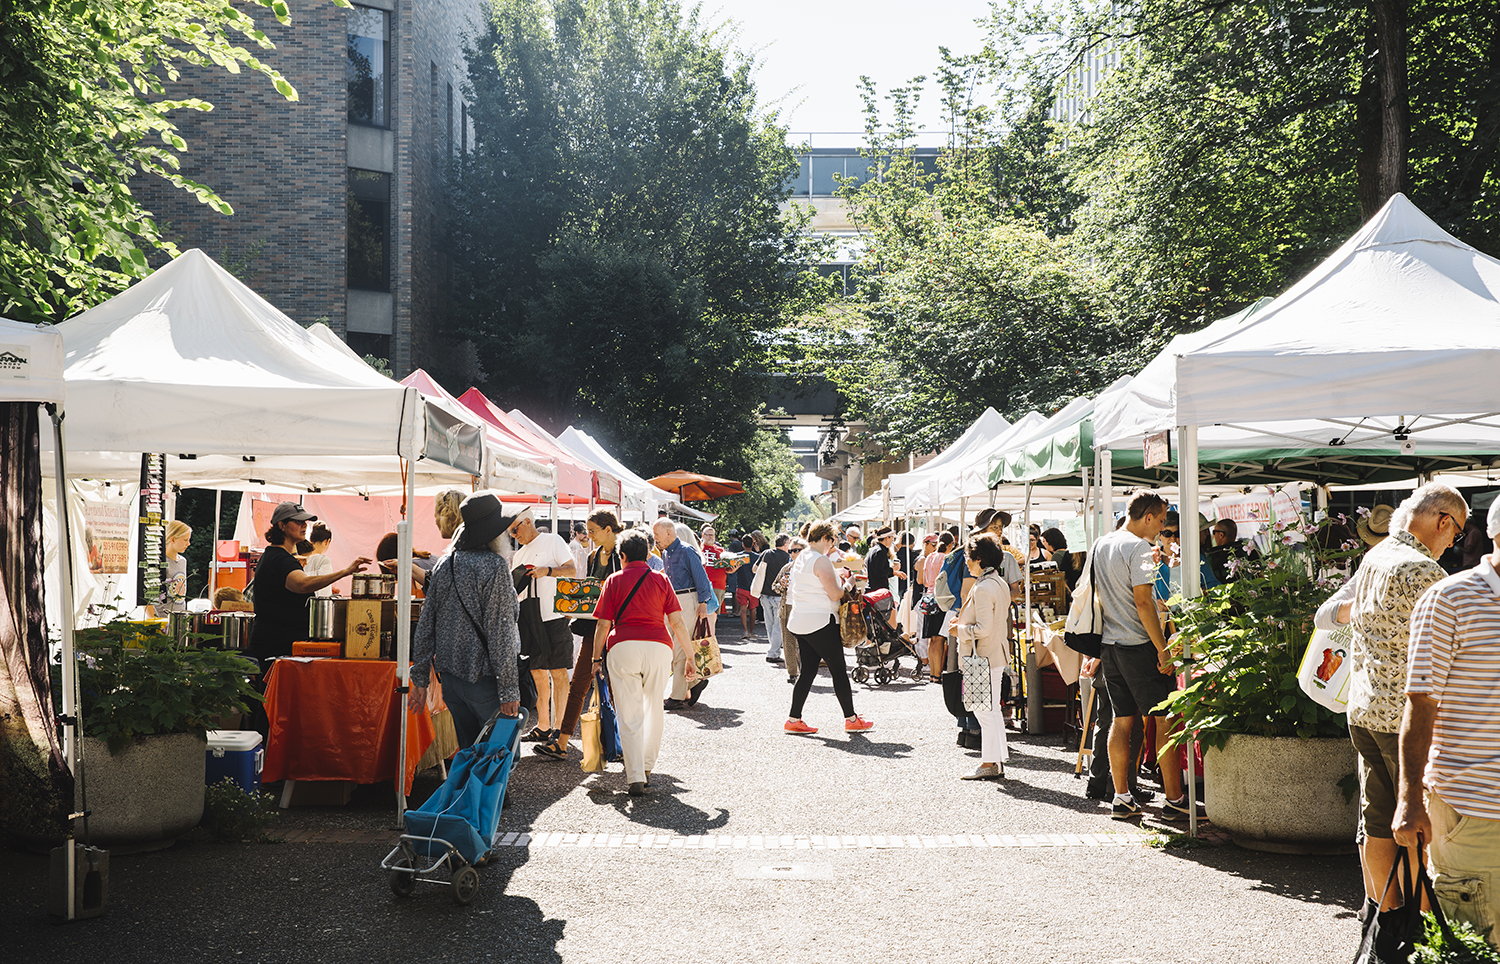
1391	579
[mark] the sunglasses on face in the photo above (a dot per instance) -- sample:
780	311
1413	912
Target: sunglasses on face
1169	533
1458	530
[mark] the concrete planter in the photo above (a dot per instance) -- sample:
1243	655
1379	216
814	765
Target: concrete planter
1281	794
146	796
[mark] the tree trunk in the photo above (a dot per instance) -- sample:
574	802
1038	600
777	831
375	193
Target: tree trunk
1387	170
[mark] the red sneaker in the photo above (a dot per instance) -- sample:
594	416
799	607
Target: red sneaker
857	724
797	726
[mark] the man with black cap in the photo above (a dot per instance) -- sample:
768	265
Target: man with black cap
468	624
878	565
282	588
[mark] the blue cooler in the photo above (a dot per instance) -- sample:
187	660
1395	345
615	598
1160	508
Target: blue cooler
236	754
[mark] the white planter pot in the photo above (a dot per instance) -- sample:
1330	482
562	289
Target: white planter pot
148	795
1281	794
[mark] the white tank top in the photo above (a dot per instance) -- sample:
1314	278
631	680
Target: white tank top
811	607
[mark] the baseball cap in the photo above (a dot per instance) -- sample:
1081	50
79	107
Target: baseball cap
291	512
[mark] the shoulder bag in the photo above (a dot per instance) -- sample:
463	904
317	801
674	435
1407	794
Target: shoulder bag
1083	632
978	689
758	584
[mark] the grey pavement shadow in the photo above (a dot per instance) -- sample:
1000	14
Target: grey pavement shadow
661	808
859	744
1333	881
713	717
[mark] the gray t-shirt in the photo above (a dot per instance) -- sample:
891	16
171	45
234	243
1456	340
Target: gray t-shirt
1122	561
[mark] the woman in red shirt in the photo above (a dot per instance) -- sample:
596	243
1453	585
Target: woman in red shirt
632	617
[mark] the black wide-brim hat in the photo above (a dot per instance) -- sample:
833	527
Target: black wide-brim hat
484	519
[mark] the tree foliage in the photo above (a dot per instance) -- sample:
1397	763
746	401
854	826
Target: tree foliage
619	232
83	109
772	488
969	294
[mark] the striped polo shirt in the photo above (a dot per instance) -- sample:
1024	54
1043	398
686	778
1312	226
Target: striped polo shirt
1454	657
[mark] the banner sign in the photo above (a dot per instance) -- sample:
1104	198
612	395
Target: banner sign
153	557
1158	448
106	533
1254	511
454	442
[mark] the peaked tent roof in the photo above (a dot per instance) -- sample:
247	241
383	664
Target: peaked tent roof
31	363
511	468
1403	319
574	479
986	428
586	447
191	360
967	477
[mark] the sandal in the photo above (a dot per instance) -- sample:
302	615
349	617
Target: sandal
550	750
537	735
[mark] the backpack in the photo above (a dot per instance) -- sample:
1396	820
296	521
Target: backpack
950	581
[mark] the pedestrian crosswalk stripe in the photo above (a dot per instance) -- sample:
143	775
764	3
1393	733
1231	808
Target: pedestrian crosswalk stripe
670	841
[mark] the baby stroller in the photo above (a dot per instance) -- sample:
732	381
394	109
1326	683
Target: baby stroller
457	825
881	654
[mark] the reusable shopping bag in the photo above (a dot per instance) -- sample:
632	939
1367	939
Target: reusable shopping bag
707	660
1324	673
588	722
978	691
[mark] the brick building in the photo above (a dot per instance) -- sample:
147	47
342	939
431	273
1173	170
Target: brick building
337	197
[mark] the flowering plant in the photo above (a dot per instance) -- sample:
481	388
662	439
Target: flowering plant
1241	643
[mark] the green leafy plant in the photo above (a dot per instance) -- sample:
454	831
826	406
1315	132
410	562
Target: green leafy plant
1243	641
1434	948
235	816
137	681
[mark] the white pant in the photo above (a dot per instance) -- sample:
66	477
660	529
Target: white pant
638	671
992	721
689	603
772	607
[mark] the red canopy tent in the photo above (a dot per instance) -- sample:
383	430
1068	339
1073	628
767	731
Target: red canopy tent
576	482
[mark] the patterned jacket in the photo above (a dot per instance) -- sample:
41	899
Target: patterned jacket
479	580
1391	579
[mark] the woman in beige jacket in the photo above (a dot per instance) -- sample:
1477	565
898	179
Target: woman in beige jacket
983	630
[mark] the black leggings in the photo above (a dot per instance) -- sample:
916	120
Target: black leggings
824	646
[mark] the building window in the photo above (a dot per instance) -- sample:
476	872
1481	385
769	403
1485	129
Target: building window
450	120
364	343
369	40
369	230
463	128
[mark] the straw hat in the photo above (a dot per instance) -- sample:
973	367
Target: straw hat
1376	526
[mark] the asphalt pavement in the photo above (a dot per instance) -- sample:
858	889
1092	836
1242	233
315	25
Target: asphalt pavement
751	845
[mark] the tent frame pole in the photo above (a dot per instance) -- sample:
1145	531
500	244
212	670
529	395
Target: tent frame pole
69	656
1187	512
407	449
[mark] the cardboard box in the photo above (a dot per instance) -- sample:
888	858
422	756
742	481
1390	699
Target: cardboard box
362	629
317	648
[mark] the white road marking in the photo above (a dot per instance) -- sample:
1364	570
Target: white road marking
562	840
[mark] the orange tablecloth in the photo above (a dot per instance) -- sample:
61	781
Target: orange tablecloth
337	719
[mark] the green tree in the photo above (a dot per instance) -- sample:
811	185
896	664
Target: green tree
773	487
970	293
620	229
83	108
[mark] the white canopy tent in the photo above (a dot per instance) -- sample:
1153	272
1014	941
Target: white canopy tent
193	363
989	426
967	477
635	491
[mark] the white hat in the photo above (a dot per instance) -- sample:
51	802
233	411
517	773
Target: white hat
1492	521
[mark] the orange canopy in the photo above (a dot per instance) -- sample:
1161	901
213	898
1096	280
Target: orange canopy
693	487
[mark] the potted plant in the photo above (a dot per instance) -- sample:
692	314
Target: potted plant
146	705
1279	770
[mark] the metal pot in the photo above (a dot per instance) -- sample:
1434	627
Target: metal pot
179	625
237	628
325	617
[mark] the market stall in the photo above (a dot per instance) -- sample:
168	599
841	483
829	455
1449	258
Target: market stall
192	363
646	497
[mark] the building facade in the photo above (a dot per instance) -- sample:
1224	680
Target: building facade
338	196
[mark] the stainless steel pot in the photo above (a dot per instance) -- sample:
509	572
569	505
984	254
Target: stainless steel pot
325	617
179	625
237	627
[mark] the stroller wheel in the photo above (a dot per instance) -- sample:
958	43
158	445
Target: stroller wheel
465	886
402	882
860	674
882	676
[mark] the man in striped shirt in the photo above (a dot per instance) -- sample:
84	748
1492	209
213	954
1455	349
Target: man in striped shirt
1450	729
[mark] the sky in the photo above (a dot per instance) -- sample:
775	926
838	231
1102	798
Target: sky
812	53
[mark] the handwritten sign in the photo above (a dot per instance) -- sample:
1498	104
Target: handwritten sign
1158	448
